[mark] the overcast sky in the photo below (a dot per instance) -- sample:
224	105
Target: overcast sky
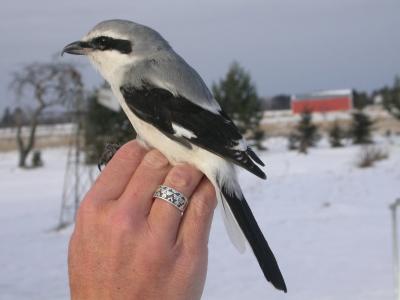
288	46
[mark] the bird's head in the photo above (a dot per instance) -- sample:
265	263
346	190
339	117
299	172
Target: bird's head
115	45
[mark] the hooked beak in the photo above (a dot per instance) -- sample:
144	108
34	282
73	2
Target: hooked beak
77	48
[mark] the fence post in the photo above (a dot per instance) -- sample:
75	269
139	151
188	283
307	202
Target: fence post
396	266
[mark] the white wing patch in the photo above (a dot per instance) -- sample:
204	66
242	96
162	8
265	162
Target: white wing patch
180	131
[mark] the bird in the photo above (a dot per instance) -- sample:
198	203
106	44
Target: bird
172	110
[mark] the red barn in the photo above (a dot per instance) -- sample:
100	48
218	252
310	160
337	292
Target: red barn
326	101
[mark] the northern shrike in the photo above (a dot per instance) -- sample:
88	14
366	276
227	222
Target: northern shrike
172	110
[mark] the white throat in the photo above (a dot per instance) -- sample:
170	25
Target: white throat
111	65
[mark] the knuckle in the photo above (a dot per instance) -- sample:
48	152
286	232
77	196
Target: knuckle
86	208
153	260
201	209
205	201
179	177
99	182
155	159
192	254
130	150
121	223
156	253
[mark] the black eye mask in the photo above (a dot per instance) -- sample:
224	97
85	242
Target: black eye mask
103	43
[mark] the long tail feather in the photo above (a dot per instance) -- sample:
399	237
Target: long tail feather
255	237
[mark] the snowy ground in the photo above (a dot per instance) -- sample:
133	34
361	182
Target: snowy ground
327	221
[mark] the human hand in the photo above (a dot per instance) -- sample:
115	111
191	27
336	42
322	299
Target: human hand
127	245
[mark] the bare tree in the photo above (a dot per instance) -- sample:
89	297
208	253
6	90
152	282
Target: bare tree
44	85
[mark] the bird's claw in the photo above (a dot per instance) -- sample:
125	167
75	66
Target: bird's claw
108	154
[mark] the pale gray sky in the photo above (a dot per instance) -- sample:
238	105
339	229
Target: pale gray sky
287	45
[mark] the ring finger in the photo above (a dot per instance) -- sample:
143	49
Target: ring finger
164	217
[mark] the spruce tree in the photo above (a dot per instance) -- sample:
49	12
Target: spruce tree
306	133
238	97
361	128
336	134
103	126
7	120
360	99
391	98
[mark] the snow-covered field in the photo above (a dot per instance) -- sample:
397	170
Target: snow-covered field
327	221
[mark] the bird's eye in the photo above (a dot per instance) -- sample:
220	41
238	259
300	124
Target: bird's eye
102	43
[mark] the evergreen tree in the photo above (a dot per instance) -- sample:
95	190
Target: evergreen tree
238	97
361	128
306	133
103	126
336	134
7	120
391	98
360	99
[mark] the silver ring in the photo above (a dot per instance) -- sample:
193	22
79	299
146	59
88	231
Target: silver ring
172	196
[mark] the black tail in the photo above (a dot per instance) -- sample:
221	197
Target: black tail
256	239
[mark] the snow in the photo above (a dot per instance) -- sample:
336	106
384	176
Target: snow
326	220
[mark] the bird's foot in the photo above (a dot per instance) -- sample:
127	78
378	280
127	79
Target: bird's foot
108	154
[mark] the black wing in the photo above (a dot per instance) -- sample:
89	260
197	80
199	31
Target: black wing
214	132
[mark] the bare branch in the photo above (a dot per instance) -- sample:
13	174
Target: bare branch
48	85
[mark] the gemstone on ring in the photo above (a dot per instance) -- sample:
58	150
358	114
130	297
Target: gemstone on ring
172	196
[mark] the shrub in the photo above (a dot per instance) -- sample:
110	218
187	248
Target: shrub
369	155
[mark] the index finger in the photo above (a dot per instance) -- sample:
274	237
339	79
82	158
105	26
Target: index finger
113	179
